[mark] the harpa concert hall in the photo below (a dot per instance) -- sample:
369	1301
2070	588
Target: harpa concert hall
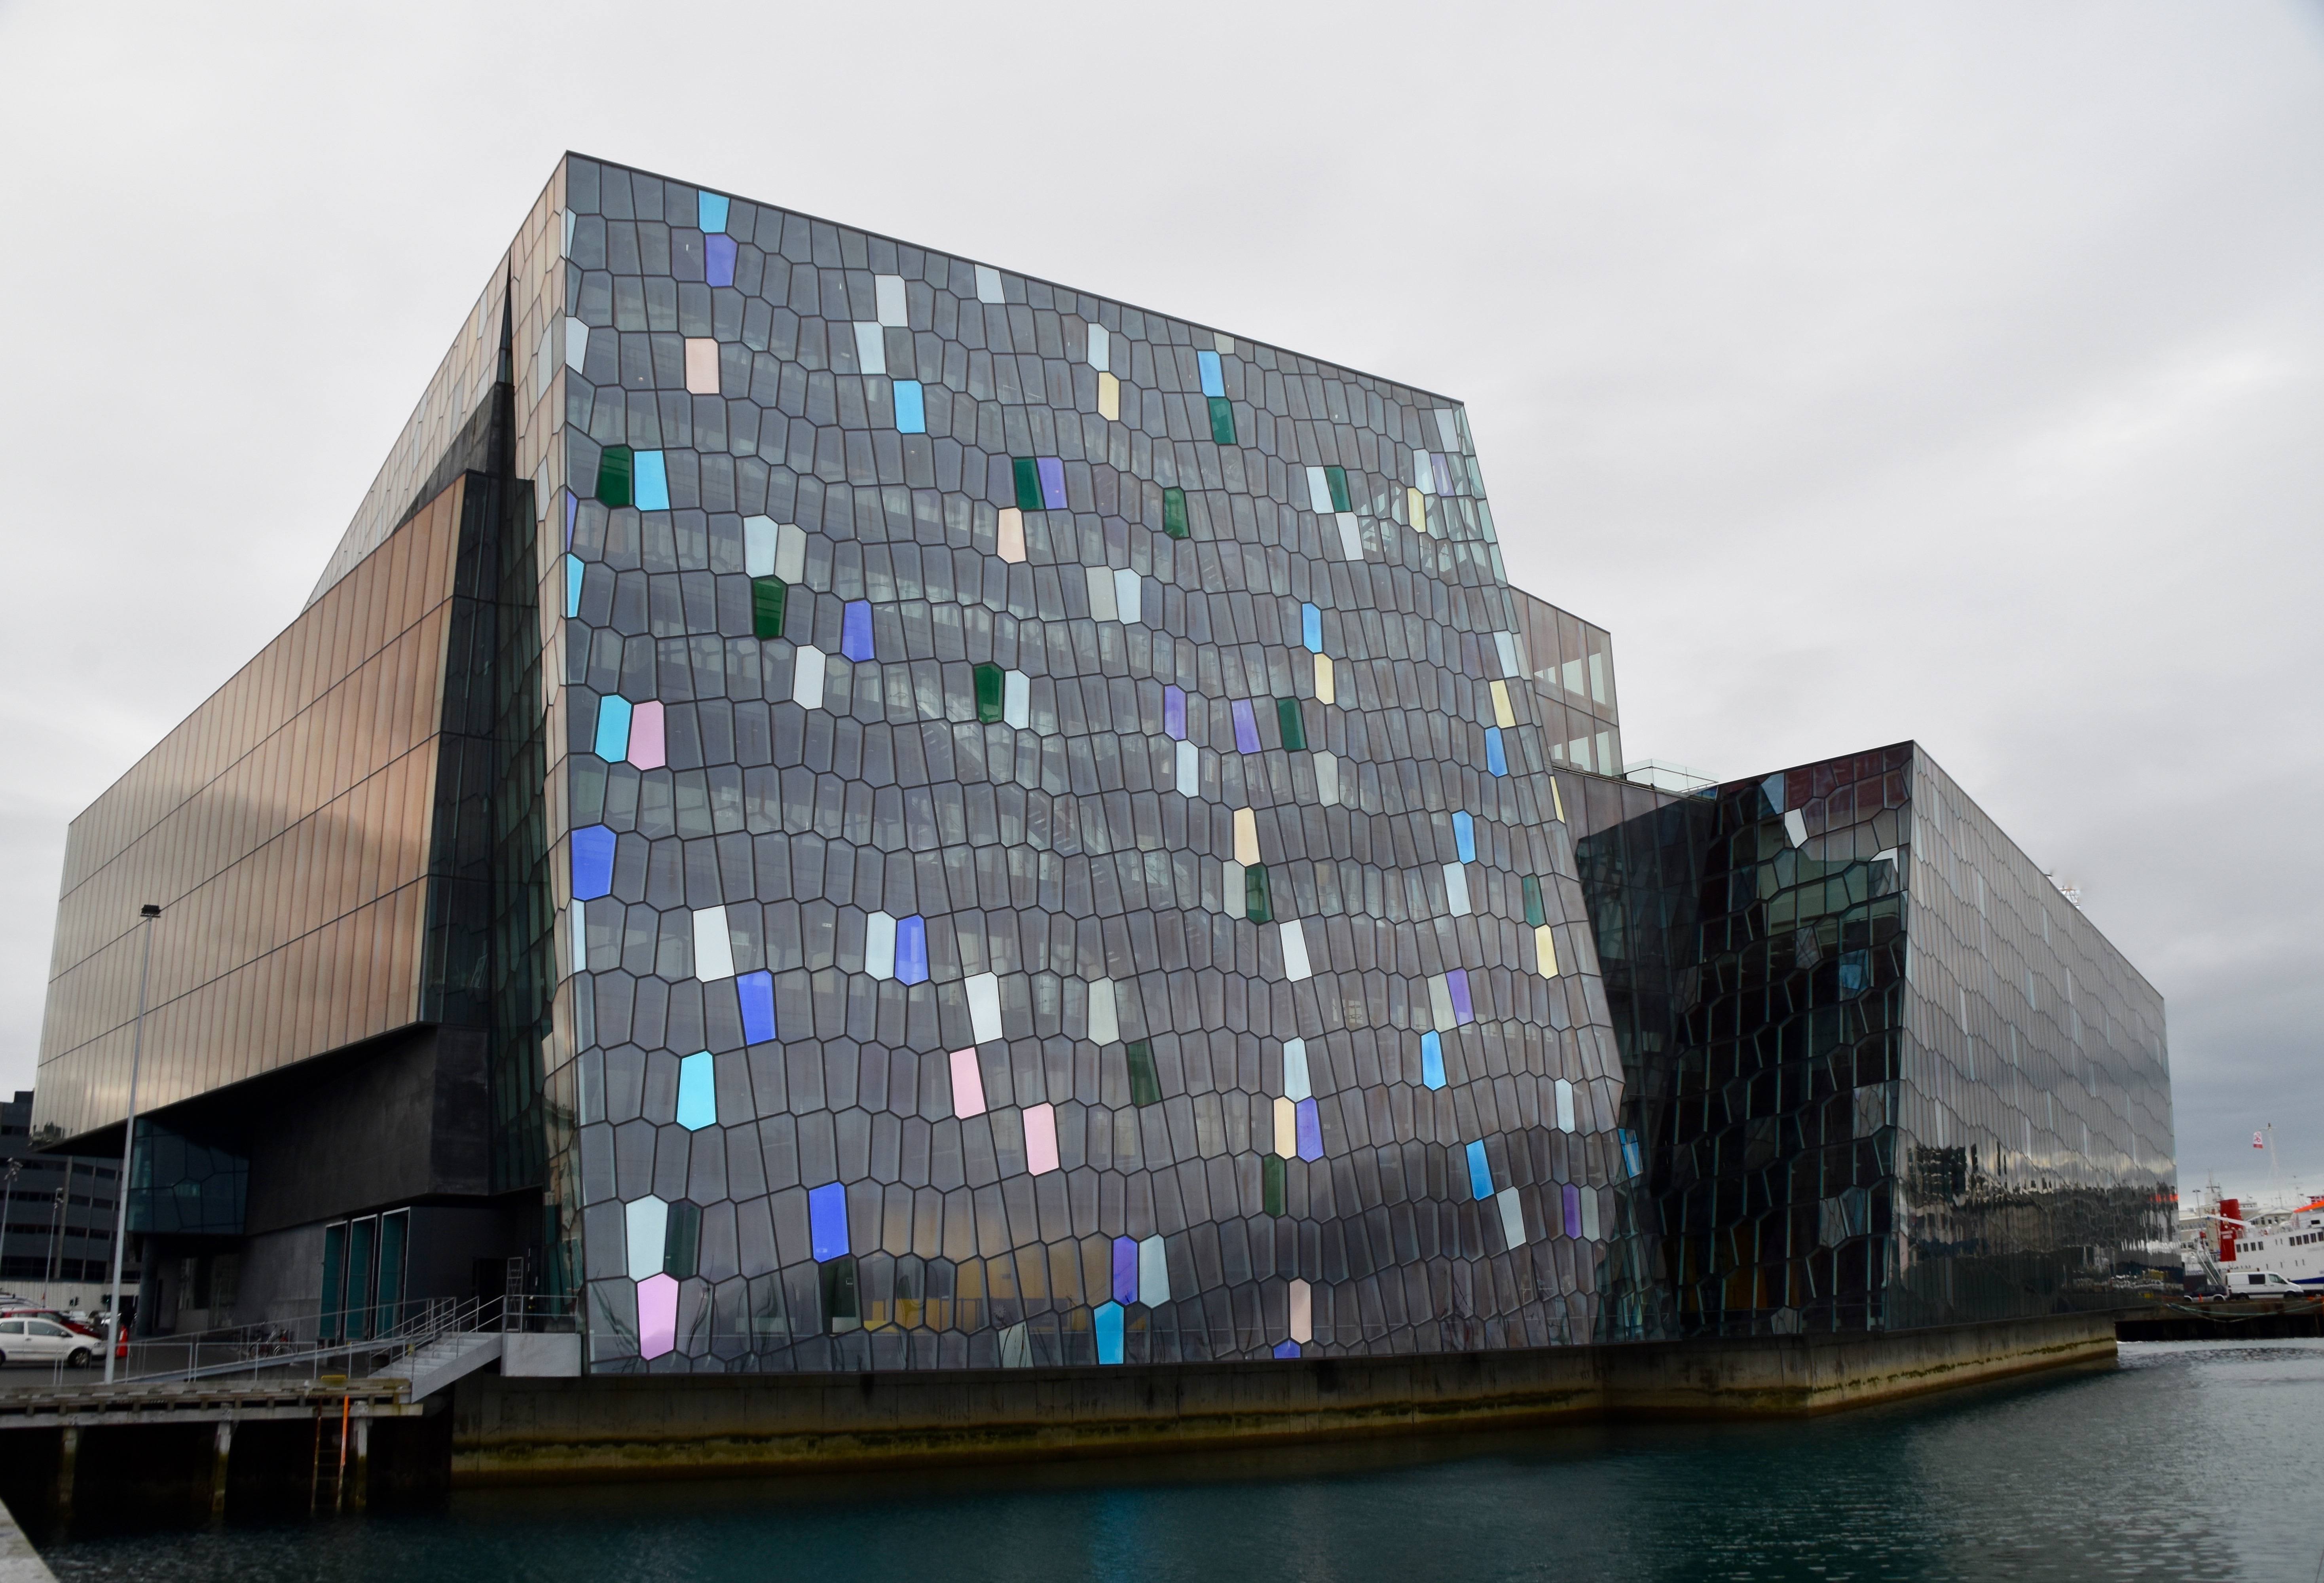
838	806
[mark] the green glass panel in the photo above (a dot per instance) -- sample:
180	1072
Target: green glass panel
1337	477
1028	482
1293	724
613	469
991	693
1144	1088
767	596
681	1244
1535	916
1222	422
1173	513
1258	900
841	1310
1270	1181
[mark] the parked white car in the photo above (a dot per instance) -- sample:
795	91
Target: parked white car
30	1340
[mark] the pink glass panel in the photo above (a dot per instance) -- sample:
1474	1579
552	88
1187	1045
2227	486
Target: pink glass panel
646	747
1041	1139
967	1084
657	1315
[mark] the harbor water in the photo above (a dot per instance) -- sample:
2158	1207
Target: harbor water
2191	1460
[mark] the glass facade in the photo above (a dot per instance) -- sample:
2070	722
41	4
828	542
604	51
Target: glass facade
982	825
1881	1072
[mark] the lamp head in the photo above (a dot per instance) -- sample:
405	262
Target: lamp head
149	910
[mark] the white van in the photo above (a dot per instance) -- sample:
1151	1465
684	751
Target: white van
2262	1284
36	1340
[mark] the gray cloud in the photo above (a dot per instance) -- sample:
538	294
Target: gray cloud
1872	372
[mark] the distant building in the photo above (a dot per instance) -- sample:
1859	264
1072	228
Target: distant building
55	1234
844	808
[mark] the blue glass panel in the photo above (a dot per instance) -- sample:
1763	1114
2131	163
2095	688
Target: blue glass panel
718	260
1432	1059
1215	380
697	1092
912	950
1311	628
572	571
912	408
1125	1269
651	487
1287	1349
1464	836
1174	713
710	210
1108	1332
593	863
856	631
757	991
1481	1175
613	728
827	1217
1309	1129
1052	473
1496	760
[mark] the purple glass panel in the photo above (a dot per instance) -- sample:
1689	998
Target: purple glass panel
912	950
757	992
572	505
1174	713
1125	1269
1310	1130
1245	726
1572	1210
1456	984
1443	471
1053	482
718	260
856	631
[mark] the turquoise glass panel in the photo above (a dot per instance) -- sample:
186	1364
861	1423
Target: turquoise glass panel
1108	1319
573	572
613	728
1464	836
697	1092
652	484
1214	379
710	211
1481	1175
1432	1059
1311	628
912	408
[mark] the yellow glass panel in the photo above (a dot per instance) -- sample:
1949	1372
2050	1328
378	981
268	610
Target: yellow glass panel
1326	689
1544	950
1504	716
1246	837
1287	1128
1109	398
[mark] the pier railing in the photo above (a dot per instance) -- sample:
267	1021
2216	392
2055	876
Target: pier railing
307	1341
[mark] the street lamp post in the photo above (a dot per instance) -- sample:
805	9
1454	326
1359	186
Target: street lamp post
7	1202
56	1220
113	1342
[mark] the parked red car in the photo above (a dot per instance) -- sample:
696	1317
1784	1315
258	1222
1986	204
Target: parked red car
23	1310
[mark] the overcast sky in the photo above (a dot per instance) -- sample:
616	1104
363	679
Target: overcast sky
1951	371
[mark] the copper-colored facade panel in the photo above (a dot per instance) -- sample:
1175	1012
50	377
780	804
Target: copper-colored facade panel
278	847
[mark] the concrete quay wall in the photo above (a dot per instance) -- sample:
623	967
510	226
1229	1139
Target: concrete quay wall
517	1431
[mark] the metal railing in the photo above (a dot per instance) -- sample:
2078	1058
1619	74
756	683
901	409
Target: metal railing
312	1343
